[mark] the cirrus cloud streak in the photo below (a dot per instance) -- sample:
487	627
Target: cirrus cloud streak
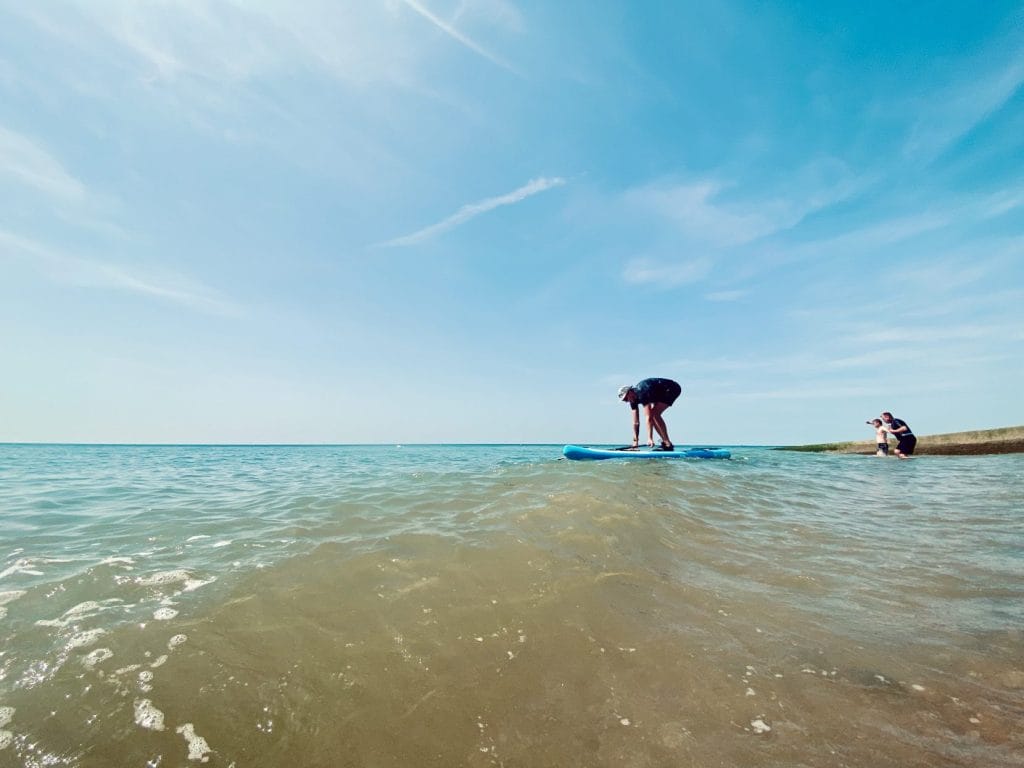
472	210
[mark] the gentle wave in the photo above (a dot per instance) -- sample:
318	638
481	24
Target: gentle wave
498	605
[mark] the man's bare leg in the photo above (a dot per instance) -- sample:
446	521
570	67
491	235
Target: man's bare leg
659	423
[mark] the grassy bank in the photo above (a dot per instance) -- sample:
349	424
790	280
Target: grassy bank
975	442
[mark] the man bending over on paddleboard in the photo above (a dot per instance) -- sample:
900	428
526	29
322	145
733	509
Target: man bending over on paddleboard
655	395
906	442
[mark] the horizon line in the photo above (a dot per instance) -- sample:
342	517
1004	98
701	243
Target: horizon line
327	445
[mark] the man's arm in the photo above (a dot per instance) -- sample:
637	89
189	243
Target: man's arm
636	427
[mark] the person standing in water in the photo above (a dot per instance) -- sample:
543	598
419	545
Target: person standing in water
881	437
905	440
655	395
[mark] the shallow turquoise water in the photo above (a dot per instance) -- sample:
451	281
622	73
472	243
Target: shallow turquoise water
423	605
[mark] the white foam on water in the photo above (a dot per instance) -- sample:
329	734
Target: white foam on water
6	737
176	576
117	561
85	639
11	595
198	749
160	661
21	565
191	585
225	543
79	612
197	537
162	578
148	716
164	614
175	641
3	612
760	726
96	657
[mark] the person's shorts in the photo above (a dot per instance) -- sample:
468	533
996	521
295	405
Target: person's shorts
883	448
906	445
670	393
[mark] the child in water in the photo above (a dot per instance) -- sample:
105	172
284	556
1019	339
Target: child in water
881	437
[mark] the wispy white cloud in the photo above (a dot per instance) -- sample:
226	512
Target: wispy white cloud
229	41
1000	203
874	359
75	270
667	274
733	295
984	302
30	171
947	116
458	36
940	334
944	275
500	13
728	214
866	239
211	43
693	208
930	264
723	218
472	210
838	393
855	357
27	162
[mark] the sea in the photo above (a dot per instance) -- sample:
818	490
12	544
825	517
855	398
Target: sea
498	605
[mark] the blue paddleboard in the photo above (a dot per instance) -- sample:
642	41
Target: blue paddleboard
578	453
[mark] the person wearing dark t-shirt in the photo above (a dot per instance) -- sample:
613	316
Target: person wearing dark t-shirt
905	440
655	395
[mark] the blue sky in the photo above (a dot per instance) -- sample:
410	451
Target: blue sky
438	221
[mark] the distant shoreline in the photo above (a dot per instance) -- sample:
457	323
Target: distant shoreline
974	443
